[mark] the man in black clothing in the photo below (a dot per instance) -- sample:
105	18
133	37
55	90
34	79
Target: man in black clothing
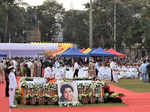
148	70
7	82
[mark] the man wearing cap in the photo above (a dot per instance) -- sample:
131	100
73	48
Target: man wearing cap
12	86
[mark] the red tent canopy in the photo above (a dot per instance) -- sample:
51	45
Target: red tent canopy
117	53
82	50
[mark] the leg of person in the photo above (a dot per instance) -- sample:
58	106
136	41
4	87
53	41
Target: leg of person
143	77
96	72
10	97
13	97
149	78
7	89
75	73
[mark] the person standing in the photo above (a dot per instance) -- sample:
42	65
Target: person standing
7	79
39	68
113	66
12	86
91	70
26	71
76	68
143	71
1	72
48	73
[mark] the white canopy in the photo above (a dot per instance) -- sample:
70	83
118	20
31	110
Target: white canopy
27	46
26	49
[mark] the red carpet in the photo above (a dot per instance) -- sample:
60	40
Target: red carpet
136	102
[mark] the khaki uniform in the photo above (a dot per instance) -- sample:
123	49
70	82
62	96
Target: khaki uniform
91	71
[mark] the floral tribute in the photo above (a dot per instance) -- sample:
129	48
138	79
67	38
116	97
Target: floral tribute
37	91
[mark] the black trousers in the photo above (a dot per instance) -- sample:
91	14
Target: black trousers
149	77
96	72
7	89
76	73
112	79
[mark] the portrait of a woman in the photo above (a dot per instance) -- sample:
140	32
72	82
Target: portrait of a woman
67	93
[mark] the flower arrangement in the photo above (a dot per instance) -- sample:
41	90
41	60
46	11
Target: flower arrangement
46	98
111	96
18	96
37	91
84	98
28	98
36	98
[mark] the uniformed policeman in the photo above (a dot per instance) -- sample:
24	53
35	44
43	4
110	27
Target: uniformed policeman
12	86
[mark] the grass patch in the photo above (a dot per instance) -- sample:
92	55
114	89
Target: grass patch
83	105
104	104
133	85
36	106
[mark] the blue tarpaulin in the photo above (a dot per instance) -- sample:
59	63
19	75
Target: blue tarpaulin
2	55
100	52
73	52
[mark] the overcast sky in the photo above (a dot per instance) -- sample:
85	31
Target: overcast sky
68	4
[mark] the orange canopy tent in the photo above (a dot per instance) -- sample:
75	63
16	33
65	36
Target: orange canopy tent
116	53
59	51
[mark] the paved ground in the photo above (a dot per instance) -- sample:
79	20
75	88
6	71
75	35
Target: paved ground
136	102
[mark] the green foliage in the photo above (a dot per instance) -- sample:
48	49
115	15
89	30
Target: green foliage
50	14
132	24
18	96
76	27
15	20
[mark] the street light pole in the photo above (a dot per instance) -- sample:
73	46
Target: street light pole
91	26
115	24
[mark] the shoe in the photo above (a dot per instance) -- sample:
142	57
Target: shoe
12	106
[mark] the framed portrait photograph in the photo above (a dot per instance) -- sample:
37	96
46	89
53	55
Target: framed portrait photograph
67	92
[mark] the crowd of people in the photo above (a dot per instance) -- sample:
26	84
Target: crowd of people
59	68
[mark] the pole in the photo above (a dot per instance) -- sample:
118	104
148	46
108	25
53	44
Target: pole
115	12
91	26
9	43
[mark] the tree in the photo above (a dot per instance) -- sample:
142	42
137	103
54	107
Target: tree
76	27
12	19
130	29
50	14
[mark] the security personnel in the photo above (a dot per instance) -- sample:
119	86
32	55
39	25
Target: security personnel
12	86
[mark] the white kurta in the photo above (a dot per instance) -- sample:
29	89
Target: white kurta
48	73
101	73
115	76
69	73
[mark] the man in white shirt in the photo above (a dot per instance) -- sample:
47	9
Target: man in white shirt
76	68
12	86
49	73
15	64
113	64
